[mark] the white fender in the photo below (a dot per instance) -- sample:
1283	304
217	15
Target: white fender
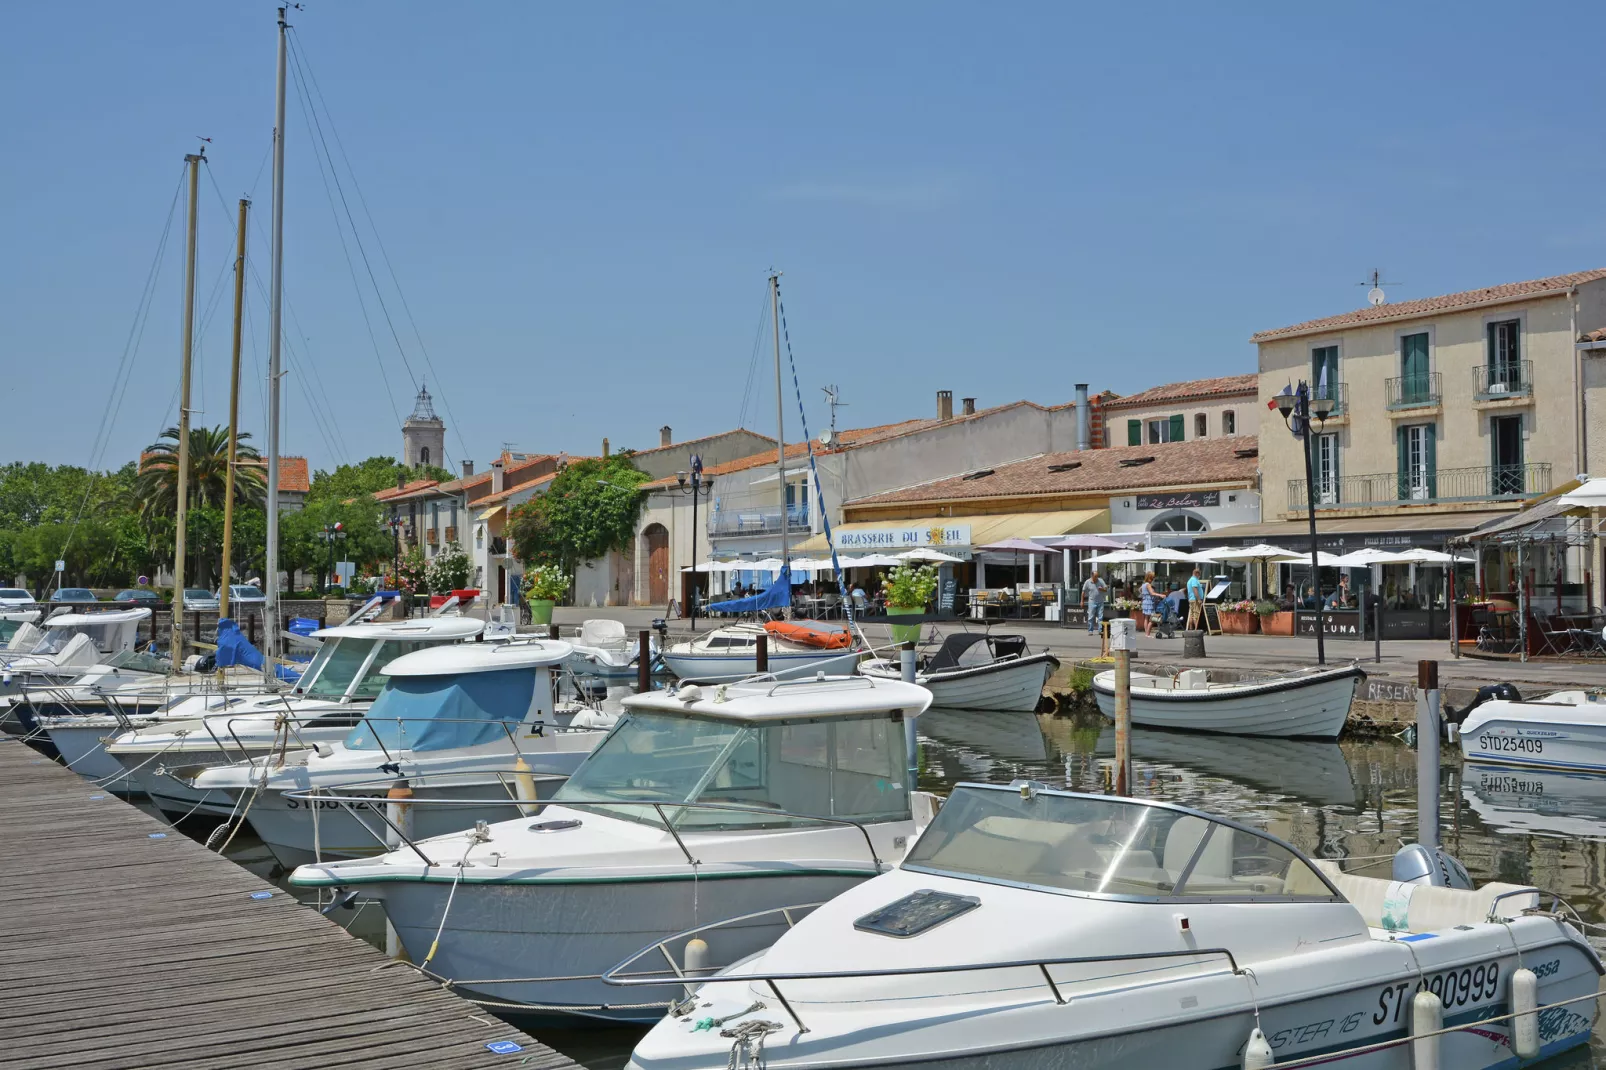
1427	1016
1257	1052
1524	1001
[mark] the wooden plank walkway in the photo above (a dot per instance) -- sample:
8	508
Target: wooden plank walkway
128	944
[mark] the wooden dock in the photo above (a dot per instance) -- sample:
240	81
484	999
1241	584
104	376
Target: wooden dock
128	944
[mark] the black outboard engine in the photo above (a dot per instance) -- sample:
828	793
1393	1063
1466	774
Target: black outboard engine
1416	863
1488	691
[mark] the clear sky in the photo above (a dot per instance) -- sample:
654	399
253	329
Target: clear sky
581	202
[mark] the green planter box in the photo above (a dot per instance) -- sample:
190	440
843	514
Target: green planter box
905	633
541	610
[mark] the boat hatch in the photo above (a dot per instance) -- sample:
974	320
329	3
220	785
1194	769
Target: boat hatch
1108	847
916	912
850	767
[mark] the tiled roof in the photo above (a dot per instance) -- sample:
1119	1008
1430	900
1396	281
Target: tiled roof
1122	468
508	492
1511	291
293	475
1594	336
1222	386
409	489
704	438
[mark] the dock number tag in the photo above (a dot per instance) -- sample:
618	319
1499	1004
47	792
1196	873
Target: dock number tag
504	1047
261	895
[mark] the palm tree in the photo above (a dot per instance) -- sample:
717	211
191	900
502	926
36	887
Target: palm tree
157	485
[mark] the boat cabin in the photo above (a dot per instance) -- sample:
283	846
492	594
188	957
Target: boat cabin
972	650
821	748
349	664
102	633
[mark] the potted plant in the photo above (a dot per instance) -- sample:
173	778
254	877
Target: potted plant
543	586
1127	607
908	588
1239	618
1274	620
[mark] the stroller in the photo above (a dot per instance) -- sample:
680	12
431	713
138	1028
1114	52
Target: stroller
1164	622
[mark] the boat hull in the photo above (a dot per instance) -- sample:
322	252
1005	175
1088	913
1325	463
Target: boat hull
1316	708
82	748
1013	685
783	665
526	930
1563	743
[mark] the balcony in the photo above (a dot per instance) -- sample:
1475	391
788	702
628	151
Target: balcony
1413	391
1481	484
1503	381
498	546
1338	393
758	521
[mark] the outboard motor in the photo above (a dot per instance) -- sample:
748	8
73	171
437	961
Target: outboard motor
1416	863
1488	691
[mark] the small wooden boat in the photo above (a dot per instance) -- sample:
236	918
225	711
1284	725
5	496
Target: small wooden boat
1307	704
974	671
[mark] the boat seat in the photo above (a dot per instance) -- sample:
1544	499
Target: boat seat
1418	908
603	632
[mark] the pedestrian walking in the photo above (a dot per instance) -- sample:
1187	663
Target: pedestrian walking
1149	596
1093	589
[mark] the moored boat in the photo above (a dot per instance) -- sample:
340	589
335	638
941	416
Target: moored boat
977	671
1564	730
1307	704
731	652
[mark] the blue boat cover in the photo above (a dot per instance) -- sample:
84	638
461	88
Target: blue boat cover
233	648
444	712
779	594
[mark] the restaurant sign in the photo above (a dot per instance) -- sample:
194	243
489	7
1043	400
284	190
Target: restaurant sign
904	538
1182	499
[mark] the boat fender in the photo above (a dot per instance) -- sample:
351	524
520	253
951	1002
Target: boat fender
1427	1018
1484	694
524	782
1525	1003
1257	1052
696	956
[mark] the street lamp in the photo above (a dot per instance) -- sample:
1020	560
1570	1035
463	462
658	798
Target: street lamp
1297	410
395	525
698	486
331	534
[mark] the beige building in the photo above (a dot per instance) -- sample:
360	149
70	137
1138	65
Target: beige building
1184	412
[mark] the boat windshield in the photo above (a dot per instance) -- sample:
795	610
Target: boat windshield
1106	846
340	660
846	767
139	661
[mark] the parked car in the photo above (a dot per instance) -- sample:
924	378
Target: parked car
73	594
15	598
246	594
199	598
142	595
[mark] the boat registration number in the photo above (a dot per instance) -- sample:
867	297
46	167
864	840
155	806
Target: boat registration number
1512	743
323	804
1455	988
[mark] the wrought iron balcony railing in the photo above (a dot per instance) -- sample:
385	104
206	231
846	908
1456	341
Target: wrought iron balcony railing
757	521
1504	379
1413	391
1338	392
1483	483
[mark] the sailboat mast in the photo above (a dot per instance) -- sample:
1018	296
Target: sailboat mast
183	489
780	412
275	314
234	414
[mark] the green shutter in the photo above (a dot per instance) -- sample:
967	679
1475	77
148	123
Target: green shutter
1403	471
1134	432
1177	428
1430	434
1493	357
1414	367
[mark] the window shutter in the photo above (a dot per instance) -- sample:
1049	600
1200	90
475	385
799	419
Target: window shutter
1494	347
1404	472
1134	432
1430	439
1176	428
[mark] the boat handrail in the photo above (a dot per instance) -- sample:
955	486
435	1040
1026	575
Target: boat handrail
614	975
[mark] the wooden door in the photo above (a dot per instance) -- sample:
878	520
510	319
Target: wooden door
657	564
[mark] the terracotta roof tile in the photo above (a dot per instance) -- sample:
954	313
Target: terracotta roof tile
1511	291
504	495
293	476
1222	386
1122	468
409	489
703	438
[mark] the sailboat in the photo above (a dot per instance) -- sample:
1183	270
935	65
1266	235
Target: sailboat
793	648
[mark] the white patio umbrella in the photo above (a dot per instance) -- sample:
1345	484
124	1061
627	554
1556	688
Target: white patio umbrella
930	556
1368	556
876	561
1591	495
1419	556
1258	552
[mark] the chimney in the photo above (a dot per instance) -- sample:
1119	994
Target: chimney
967	406
496	477
945	404
604	447
665	436
1084	419
468	469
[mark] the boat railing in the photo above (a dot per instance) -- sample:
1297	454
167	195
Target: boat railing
681	974
669	823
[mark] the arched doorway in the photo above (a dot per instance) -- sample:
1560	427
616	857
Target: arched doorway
1179	522
656	541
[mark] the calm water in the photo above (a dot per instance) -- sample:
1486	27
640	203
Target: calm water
1351	800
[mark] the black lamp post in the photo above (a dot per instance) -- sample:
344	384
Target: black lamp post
1298	408
331	534
395	525
696	490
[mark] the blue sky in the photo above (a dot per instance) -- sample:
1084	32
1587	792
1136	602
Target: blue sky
582	202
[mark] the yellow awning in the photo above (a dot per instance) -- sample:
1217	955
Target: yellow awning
986	528
492	513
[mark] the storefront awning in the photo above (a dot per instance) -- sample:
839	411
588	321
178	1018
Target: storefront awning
1411	529
492	513
893	536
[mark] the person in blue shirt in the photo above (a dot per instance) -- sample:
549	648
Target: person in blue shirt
1196	597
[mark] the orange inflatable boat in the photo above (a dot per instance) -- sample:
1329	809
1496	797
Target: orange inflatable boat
809	634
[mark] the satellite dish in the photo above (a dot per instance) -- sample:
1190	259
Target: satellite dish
1375	295
826	437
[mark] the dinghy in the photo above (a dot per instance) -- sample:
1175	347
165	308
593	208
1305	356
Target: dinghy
703	803
1032	928
603	648
976	671
1564	730
731	653
1308	704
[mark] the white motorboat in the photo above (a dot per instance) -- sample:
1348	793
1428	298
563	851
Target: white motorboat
71	644
603	648
332	695
731	652
1030	928
702	803
977	671
1307	704
470	721
1564	730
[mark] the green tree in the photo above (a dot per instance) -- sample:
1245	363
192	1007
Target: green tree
350	481
157	485
590	509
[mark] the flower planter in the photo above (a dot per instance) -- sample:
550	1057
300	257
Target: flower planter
541	610
1239	622
905	633
1279	623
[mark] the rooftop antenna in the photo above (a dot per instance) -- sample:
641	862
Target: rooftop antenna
1375	295
833	398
